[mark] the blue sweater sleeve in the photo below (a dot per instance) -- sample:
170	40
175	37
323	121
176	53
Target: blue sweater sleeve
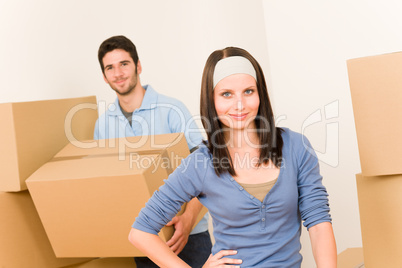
313	197
180	187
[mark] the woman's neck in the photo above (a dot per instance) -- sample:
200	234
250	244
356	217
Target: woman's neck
242	139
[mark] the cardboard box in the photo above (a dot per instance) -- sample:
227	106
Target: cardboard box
88	198
127	262
351	258
33	132
376	90
380	209
23	241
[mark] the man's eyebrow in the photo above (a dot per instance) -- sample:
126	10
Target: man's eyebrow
107	66
125	61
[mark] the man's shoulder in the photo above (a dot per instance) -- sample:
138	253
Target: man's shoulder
162	100
172	105
168	99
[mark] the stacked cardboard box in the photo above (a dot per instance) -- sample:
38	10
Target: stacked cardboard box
23	240
32	133
127	262
376	90
351	258
86	195
88	198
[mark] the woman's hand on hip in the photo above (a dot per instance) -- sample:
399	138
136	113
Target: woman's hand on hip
219	261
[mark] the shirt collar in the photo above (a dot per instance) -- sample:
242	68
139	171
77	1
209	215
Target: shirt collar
150	98
114	109
148	103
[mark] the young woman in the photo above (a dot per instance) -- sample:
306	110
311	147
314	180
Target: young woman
258	182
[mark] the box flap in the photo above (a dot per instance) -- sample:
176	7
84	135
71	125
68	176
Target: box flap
351	258
9	176
41	129
24	242
93	166
87	200
120	146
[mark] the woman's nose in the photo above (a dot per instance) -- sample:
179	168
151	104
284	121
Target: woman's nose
239	104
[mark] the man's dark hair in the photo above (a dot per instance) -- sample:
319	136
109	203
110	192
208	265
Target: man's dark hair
117	42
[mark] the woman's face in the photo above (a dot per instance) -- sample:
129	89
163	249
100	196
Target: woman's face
237	101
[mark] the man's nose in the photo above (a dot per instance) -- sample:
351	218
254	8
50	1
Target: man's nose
118	71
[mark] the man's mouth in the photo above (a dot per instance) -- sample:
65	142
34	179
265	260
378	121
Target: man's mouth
120	81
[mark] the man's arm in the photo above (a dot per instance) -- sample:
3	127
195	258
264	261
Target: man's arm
323	245
181	120
183	225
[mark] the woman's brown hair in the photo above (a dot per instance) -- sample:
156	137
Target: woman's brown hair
270	139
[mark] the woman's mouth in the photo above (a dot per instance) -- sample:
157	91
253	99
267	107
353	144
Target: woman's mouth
241	116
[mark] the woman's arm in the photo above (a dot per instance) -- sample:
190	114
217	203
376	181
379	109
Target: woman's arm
157	250
323	245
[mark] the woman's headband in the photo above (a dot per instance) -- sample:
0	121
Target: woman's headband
233	65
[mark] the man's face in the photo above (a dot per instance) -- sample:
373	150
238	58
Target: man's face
120	71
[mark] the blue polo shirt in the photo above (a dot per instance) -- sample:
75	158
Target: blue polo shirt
158	114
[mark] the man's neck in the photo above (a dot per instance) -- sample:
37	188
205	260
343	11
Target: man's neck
133	101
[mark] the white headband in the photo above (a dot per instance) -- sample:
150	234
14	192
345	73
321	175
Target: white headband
233	65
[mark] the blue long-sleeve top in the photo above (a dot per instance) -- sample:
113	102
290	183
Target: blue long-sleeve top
265	234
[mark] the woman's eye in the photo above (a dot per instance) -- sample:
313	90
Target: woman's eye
226	94
249	91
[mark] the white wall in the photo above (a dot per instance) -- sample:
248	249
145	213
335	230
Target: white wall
308	45
48	50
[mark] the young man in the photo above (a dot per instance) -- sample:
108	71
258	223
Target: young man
140	110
